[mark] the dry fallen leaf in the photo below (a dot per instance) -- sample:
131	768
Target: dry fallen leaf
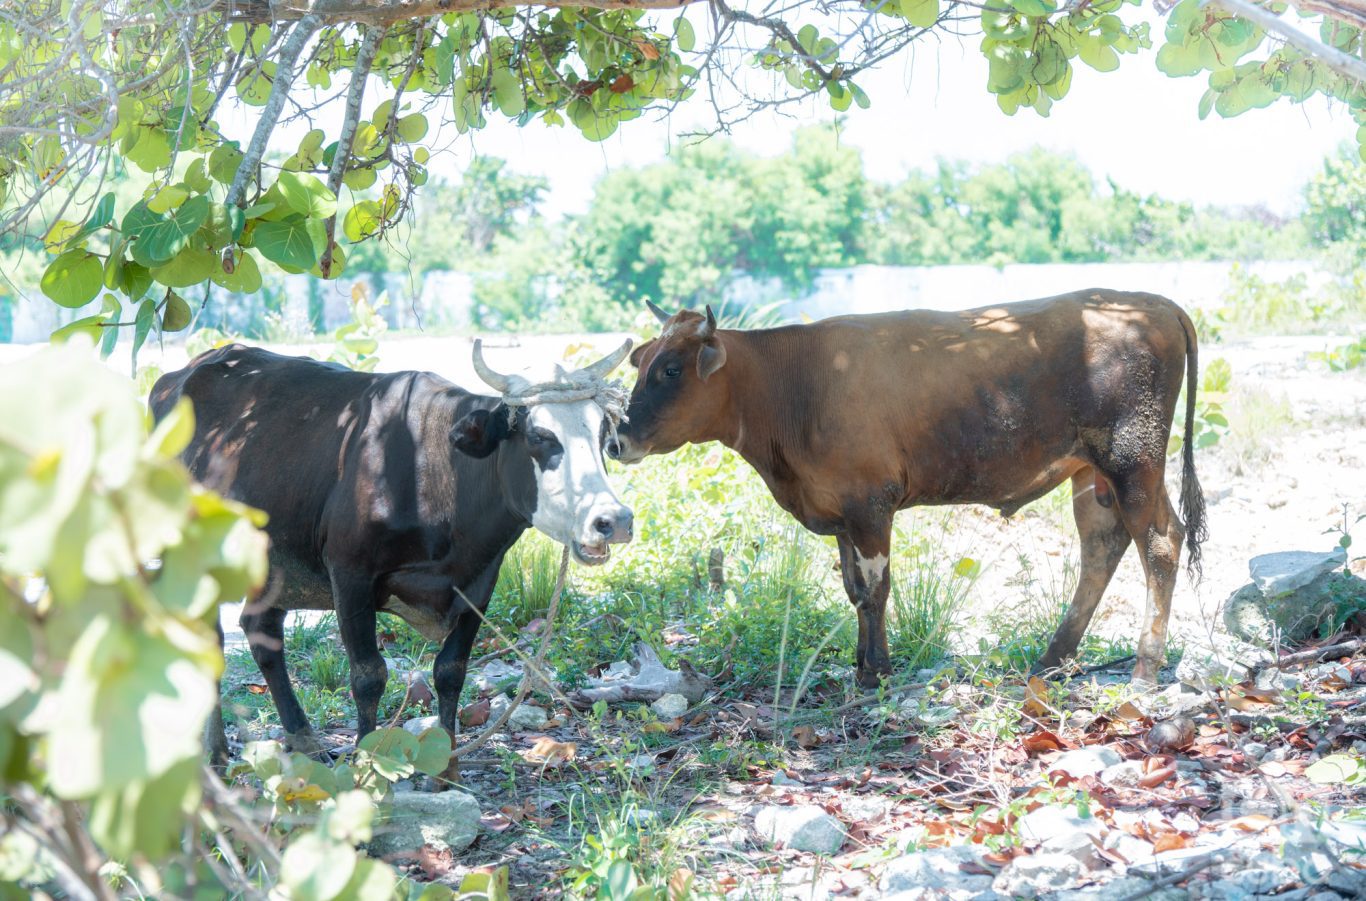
1170	841
1036	690
435	862
1043	740
549	752
680	884
806	737
1251	822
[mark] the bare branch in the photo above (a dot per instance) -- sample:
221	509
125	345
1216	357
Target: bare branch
360	73
387	12
270	113
1332	57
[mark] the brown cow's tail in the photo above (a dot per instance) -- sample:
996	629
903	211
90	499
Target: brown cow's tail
1192	497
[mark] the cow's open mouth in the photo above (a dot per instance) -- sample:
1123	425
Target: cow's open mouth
591	555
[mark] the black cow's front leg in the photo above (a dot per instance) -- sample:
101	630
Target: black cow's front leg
354	594
265	631
866	570
448	672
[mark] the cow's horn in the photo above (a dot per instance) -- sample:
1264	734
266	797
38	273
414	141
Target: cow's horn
658	311
602	368
495	380
708	328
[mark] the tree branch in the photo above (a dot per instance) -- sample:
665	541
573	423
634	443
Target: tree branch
360	74
270	113
387	12
1335	59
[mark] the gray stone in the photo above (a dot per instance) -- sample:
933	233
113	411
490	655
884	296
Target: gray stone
1087	761
1123	887
1037	874
448	821
802	828
524	717
1278	573
670	706
1124	774
1260	880
866	808
1254	750
1347	881
1047	824
1291	615
937	869
1210	663
420	724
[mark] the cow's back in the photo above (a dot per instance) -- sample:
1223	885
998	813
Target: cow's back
270	431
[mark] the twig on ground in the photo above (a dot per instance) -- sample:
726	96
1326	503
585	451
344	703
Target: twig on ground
1200	864
1313	655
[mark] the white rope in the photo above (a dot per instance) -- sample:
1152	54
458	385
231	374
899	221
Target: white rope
569	387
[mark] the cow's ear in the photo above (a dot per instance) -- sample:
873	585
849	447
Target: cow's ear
710	358
479	433
639	353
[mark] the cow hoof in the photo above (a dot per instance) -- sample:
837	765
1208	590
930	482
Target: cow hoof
869	680
306	743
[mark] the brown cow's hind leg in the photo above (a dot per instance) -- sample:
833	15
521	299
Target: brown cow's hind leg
866	570
1104	539
1158	532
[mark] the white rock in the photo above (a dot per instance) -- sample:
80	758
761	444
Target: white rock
1059	830
1254	750
938	869
495	674
1123	887
1037	874
671	706
1085	761
1257	881
1278	573
1210	663
447	820
866	808
781	778
420	724
801	828
642	764
525	717
1124	774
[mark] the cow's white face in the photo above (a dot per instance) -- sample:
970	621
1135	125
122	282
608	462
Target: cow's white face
552	440
575	504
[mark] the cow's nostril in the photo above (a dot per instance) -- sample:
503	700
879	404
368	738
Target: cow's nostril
614	450
604	526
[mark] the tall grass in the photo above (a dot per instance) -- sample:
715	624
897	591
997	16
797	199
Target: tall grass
927	603
527	580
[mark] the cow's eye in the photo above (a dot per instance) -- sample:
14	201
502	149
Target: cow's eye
673	371
538	436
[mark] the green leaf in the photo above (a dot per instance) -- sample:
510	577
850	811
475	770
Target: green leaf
507	91
142	326
434	751
362	220
245	277
1179	59
1333	769
73	279
307	195
189	267
286	242
1206	103
88	326
157	238
316	869
1097	54
921	13
100	217
413	128
684	36
223	162
176	315
133	706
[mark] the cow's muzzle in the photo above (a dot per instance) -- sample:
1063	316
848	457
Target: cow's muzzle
608	526
624	450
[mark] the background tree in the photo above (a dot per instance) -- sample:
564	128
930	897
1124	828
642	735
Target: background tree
86	82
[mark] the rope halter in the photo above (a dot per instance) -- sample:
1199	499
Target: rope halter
588	383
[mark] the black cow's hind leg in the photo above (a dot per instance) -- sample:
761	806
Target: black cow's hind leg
354	594
265	631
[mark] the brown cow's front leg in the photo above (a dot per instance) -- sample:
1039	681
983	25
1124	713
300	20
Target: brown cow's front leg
866	570
354	595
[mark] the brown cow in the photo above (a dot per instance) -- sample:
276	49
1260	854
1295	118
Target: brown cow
853	418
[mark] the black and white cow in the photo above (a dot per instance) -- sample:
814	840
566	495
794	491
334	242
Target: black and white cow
394	492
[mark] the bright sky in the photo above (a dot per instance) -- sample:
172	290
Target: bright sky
1135	125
